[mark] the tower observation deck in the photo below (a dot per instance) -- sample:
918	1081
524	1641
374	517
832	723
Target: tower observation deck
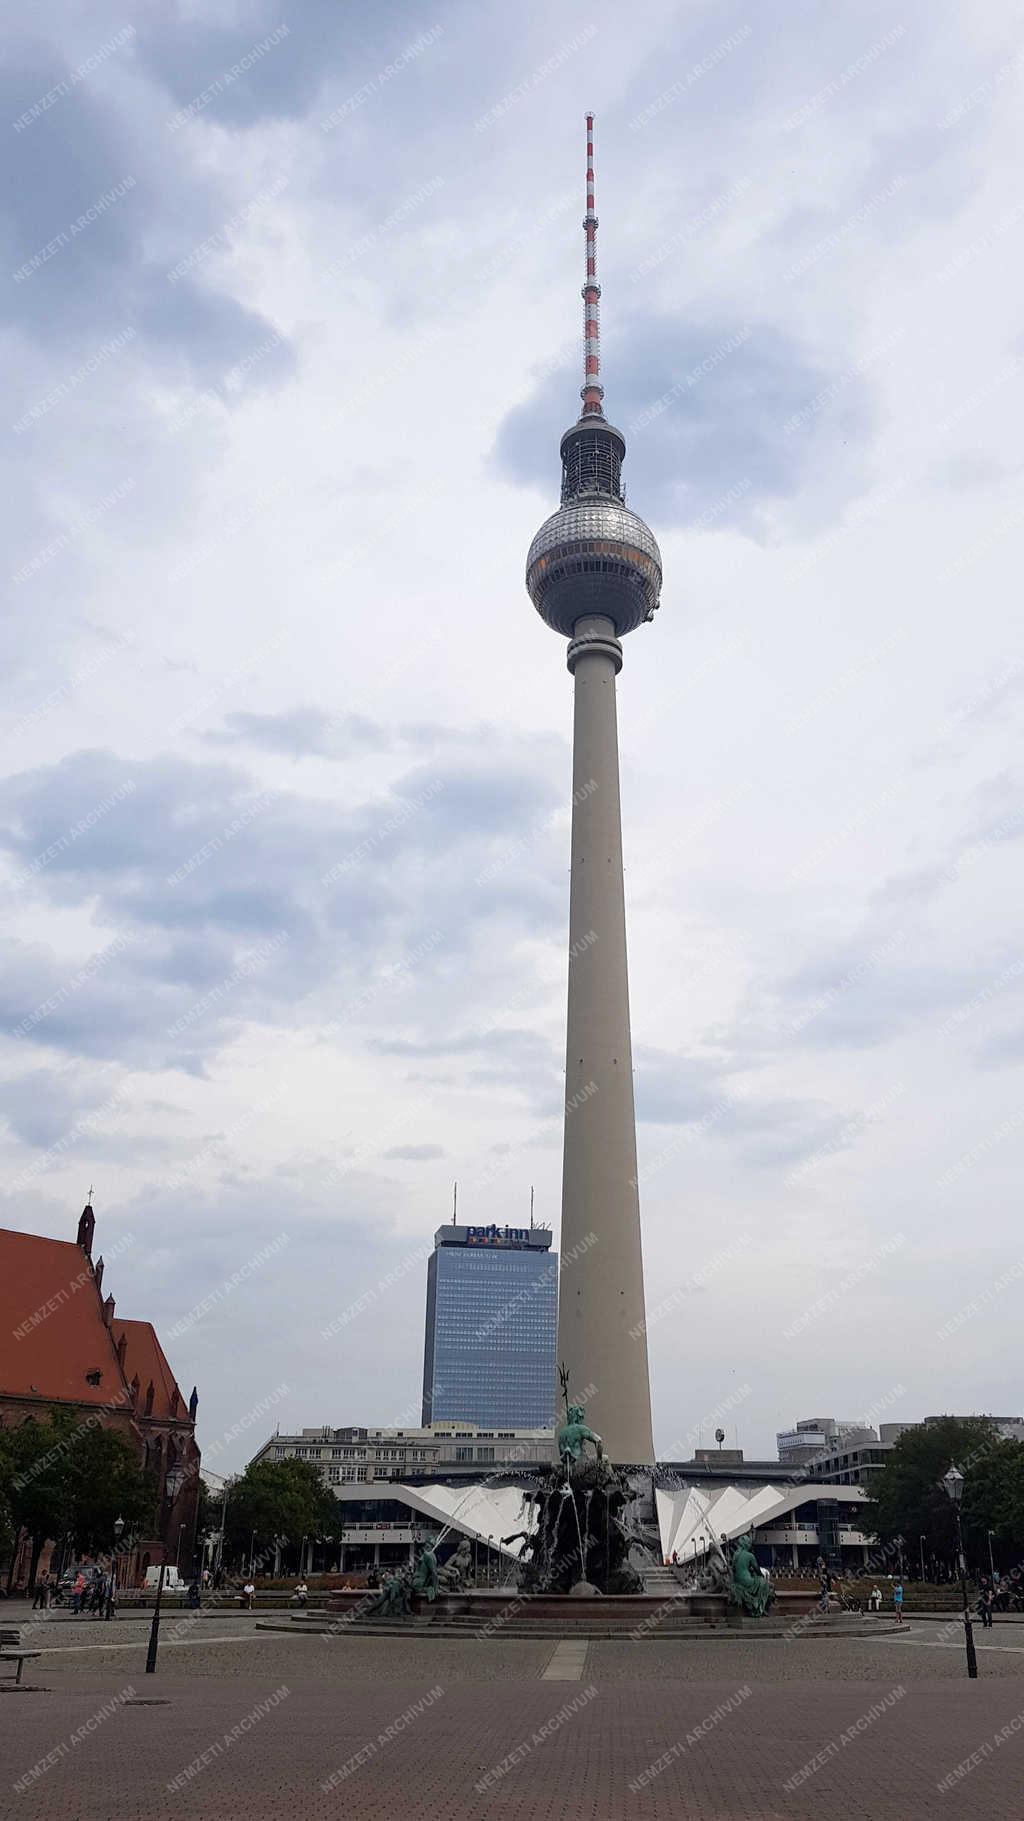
594	574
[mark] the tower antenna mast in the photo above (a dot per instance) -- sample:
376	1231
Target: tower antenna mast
592	391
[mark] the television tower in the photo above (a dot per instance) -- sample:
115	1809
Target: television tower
594	574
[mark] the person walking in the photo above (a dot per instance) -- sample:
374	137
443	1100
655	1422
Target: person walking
876	1598
986	1601
825	1591
897	1600
77	1591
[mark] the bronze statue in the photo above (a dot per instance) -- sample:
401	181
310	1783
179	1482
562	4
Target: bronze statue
393	1601
572	1435
750	1590
425	1574
457	1572
715	1575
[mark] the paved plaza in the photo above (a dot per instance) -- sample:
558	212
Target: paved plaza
250	1723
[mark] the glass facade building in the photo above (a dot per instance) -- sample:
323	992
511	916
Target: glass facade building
492	1312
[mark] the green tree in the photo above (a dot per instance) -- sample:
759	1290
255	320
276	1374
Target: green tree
71	1478
106	1482
907	1496
37	1483
10	1531
273	1499
994	1500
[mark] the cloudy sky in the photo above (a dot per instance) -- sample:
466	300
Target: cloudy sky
291	308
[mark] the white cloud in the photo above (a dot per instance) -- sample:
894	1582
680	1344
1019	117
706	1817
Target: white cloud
311	598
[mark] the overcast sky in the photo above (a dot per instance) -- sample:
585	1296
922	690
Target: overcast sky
291	302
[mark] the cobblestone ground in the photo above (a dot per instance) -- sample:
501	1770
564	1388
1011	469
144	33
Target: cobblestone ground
261	1725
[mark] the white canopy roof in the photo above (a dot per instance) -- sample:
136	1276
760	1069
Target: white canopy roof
479	1510
687	1512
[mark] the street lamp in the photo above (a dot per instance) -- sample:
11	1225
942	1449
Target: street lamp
953	1485
921	1542
222	1536
991	1563
112	1583
172	1486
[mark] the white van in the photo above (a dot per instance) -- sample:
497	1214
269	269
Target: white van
172	1579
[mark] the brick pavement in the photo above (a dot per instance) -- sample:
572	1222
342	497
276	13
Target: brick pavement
217	1652
282	1729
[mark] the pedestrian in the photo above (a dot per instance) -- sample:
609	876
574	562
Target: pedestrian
302	1593
986	1601
876	1598
193	1595
249	1593
897	1600
826	1586
77	1591
39	1603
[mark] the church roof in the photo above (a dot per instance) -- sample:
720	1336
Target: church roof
55	1344
53	1338
145	1356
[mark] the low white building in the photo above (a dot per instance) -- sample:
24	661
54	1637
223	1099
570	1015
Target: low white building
393	1485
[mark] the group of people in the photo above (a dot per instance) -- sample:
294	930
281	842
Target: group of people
93	1590
1000	1593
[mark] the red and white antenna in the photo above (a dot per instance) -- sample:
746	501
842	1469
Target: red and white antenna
592	391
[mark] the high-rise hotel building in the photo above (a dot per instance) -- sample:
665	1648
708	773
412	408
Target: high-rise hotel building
492	1311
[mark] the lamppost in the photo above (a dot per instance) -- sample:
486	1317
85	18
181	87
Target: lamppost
172	1486
219	1562
112	1583
492	1565
953	1485
991	1563
921	1545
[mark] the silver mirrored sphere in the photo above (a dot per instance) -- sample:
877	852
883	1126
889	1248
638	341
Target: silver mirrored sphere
594	557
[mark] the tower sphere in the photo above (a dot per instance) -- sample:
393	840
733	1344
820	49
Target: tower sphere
594	556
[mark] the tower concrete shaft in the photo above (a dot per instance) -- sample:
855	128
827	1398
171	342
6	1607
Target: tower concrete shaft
602	1336
593	573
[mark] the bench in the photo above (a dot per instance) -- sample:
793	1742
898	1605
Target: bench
11	1650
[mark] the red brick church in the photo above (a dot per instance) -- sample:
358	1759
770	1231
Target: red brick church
62	1343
